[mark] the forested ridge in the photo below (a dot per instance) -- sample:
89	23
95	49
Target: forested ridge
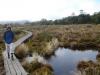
80	19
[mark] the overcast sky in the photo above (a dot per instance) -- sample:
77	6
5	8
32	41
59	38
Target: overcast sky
50	9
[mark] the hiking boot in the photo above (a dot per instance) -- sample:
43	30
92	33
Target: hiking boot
12	56
8	56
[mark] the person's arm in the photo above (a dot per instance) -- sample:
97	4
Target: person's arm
4	36
13	36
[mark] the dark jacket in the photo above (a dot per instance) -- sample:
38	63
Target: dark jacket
8	36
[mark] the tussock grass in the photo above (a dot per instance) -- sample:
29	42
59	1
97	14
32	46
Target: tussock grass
89	67
2	71
72	36
41	43
98	57
36	68
21	51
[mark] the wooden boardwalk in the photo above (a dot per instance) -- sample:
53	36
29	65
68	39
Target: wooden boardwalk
14	67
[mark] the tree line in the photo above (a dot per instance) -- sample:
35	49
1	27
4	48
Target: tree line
80	19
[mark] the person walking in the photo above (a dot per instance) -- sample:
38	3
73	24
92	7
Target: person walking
8	38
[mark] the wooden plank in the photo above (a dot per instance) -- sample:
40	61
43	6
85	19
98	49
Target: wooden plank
22	39
11	68
6	66
23	72
17	69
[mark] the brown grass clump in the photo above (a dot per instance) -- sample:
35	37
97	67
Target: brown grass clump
86	64
98	57
89	67
2	70
36	68
43	43
72	36
21	51
2	45
42	71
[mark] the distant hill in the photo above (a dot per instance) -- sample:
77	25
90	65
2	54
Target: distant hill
15	22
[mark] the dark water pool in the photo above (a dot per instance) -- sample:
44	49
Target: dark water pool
64	61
